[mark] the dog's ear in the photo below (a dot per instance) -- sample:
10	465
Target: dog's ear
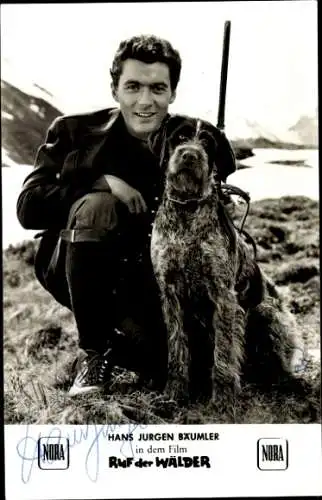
156	139
159	140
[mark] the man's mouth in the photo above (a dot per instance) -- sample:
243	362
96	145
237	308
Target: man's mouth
145	115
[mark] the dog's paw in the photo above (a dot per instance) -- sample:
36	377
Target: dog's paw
164	406
226	394
178	391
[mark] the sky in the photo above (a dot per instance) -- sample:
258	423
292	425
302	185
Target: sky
272	73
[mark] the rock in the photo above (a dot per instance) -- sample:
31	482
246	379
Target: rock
297	272
25	251
279	233
48	337
241	153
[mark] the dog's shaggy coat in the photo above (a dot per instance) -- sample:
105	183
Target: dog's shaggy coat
225	319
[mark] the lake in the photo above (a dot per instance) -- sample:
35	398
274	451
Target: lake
261	180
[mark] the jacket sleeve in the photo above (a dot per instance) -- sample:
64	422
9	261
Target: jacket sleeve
48	192
226	160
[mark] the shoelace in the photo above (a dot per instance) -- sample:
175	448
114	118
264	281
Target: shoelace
94	369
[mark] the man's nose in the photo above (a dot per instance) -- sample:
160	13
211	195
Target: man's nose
145	97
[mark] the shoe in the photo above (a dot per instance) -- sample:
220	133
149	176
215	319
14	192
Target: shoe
93	372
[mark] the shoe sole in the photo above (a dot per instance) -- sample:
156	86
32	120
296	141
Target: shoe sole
75	391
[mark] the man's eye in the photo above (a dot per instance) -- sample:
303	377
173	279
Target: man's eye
132	87
159	89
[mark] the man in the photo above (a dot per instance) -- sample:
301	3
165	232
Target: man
94	190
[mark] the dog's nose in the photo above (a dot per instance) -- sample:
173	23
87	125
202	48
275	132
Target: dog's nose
189	155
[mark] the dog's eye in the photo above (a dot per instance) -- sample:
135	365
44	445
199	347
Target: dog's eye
182	138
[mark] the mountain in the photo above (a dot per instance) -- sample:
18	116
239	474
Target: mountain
25	118
307	129
246	133
27	110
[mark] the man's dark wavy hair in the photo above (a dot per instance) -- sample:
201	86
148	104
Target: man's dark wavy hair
148	49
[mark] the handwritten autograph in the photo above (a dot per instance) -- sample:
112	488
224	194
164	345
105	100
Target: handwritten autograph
27	447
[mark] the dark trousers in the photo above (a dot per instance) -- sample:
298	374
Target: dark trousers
106	278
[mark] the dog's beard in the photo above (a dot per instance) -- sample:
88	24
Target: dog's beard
186	184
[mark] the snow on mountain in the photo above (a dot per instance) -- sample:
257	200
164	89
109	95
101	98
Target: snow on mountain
245	132
17	78
25	117
306	129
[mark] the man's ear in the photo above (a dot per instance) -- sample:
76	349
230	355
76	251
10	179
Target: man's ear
173	96
114	92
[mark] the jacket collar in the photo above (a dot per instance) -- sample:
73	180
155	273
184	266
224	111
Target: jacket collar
100	134
114	118
104	128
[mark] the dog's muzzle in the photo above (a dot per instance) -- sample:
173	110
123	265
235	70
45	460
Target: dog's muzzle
186	158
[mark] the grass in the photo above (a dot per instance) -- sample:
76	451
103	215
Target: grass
40	338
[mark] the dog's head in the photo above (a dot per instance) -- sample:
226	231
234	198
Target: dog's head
187	150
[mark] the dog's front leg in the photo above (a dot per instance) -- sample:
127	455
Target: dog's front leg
201	365
178	349
229	330
198	326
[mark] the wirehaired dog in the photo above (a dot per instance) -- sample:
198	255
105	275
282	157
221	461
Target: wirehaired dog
225	319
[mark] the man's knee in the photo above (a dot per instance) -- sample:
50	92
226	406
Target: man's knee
100	210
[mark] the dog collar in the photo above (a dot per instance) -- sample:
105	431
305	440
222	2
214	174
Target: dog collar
188	201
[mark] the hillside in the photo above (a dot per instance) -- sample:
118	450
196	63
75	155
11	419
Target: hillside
40	338
25	120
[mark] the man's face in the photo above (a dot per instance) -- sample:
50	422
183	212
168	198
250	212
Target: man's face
144	94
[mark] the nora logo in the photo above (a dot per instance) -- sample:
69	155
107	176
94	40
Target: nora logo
53	453
272	454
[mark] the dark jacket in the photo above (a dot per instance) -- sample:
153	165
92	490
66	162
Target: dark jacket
77	151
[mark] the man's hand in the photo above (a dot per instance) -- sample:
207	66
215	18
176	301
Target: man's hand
127	194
